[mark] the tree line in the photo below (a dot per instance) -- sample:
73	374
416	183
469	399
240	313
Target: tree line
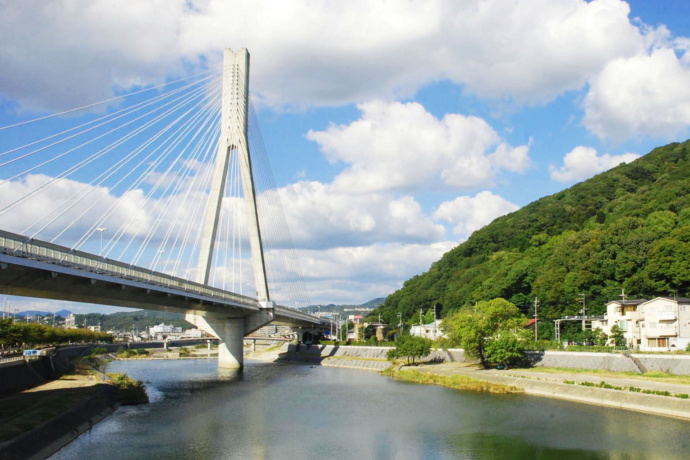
29	335
627	228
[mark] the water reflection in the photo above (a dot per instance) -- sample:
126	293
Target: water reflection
272	411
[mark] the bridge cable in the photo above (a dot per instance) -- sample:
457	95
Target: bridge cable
99	180
103	102
109	117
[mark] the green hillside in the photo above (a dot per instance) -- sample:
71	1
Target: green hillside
626	228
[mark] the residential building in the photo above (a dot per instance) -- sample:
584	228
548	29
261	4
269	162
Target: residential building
429	331
626	315
666	325
70	322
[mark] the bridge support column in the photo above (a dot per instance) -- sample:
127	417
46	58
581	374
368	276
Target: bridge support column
230	332
231	345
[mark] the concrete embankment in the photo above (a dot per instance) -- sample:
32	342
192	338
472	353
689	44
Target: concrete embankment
365	358
554	386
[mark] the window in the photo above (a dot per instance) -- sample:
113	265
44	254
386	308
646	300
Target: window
623	325
651	342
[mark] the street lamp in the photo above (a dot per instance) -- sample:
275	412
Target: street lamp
101	229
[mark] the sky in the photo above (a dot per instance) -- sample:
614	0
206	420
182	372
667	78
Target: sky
394	129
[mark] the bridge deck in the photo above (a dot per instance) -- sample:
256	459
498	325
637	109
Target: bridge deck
41	269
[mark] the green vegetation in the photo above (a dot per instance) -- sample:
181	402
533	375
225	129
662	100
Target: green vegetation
651	375
126	354
98	351
608	386
184	352
125	321
491	331
28	335
458	382
131	391
626	228
410	348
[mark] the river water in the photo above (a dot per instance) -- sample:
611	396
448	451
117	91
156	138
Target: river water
277	411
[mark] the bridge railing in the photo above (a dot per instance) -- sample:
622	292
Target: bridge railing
19	246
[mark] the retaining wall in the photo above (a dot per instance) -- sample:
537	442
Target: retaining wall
613	362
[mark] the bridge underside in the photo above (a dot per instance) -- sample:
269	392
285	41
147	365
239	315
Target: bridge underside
228	320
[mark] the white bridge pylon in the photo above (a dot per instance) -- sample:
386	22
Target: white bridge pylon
233	141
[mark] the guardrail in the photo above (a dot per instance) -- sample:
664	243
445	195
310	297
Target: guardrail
18	358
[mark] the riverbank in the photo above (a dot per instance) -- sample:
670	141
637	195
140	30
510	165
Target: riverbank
665	399
605	379
38	422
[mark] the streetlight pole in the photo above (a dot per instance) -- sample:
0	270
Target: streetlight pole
101	229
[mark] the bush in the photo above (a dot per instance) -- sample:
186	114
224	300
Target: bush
409	347
131	391
98	351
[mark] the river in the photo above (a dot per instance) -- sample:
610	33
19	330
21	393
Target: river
277	411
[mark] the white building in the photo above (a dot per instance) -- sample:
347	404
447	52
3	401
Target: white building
666	325
626	315
70	322
428	331
164	329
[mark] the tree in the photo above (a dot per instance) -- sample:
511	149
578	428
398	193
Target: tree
490	331
409	347
505	349
617	336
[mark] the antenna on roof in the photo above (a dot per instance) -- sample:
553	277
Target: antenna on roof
623	294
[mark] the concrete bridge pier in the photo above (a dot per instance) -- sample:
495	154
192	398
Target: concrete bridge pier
230	333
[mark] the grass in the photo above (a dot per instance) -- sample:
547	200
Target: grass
457	382
651	375
608	386
26	411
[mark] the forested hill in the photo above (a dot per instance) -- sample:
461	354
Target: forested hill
626	228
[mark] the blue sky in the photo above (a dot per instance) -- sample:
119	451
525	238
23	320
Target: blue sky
394	129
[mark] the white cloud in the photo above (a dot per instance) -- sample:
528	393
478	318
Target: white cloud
323	216
64	53
583	162
361	273
472	213
396	146
643	95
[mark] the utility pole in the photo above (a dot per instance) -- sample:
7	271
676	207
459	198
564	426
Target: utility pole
536	318
584	309
400	324
421	324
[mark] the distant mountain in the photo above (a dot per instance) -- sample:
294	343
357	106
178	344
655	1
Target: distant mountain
627	228
346	309
373	303
63	313
34	313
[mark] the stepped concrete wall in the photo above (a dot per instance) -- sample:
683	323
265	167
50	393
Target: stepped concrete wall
613	362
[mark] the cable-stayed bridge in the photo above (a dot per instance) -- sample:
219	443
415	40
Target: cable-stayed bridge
159	199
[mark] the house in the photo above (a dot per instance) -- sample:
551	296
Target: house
666	325
429	331
626	315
